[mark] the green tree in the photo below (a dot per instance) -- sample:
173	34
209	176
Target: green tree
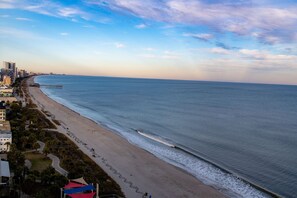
47	176
15	157
36	146
46	150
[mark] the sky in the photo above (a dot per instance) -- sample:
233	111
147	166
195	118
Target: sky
235	41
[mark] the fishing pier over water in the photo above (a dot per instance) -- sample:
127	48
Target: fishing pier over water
47	86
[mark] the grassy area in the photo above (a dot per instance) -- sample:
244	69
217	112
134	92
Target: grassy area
39	161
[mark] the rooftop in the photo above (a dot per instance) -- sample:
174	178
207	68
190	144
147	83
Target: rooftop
4	169
5	126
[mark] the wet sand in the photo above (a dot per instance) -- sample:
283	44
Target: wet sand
134	169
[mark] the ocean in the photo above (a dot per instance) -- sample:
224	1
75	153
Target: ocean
233	136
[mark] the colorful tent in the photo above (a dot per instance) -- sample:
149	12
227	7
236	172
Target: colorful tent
79	180
83	195
79	190
73	185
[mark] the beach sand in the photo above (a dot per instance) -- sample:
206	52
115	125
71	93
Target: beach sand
134	169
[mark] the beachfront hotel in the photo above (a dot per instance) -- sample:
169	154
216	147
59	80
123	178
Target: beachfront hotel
10	69
5	130
5	136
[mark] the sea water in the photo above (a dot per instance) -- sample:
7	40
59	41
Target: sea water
228	135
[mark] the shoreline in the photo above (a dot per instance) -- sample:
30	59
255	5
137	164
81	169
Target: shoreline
133	168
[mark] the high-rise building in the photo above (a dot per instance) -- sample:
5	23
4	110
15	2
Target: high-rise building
6	80
22	73
10	69
9	65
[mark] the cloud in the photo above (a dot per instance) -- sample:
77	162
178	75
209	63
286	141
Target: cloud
249	60
203	36
6	4
162	55
225	46
170	55
64	34
18	33
264	55
71	12
148	55
219	50
273	24
49	8
149	49
119	45
23	19
141	26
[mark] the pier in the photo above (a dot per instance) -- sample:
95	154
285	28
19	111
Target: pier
47	86
52	86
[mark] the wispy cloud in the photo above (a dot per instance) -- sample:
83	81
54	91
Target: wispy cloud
18	33
271	24
265	55
219	50
225	46
23	19
149	49
64	34
6	4
119	45
141	26
170	55
49	8
161	55
203	36
71	12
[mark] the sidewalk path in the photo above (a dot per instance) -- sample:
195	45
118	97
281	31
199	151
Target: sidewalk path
55	160
56	165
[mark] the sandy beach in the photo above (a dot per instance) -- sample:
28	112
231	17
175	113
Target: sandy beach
134	169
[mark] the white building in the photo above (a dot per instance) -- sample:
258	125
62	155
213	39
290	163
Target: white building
5	136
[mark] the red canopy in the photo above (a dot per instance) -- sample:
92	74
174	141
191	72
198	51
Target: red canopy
73	185
83	195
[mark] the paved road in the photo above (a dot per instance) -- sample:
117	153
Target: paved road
56	164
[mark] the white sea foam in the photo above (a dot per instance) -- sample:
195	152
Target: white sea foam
205	172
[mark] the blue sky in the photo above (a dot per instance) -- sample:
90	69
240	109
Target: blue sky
244	41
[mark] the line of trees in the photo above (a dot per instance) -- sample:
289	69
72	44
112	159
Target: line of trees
28	125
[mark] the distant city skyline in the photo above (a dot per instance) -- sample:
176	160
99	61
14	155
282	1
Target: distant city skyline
234	41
